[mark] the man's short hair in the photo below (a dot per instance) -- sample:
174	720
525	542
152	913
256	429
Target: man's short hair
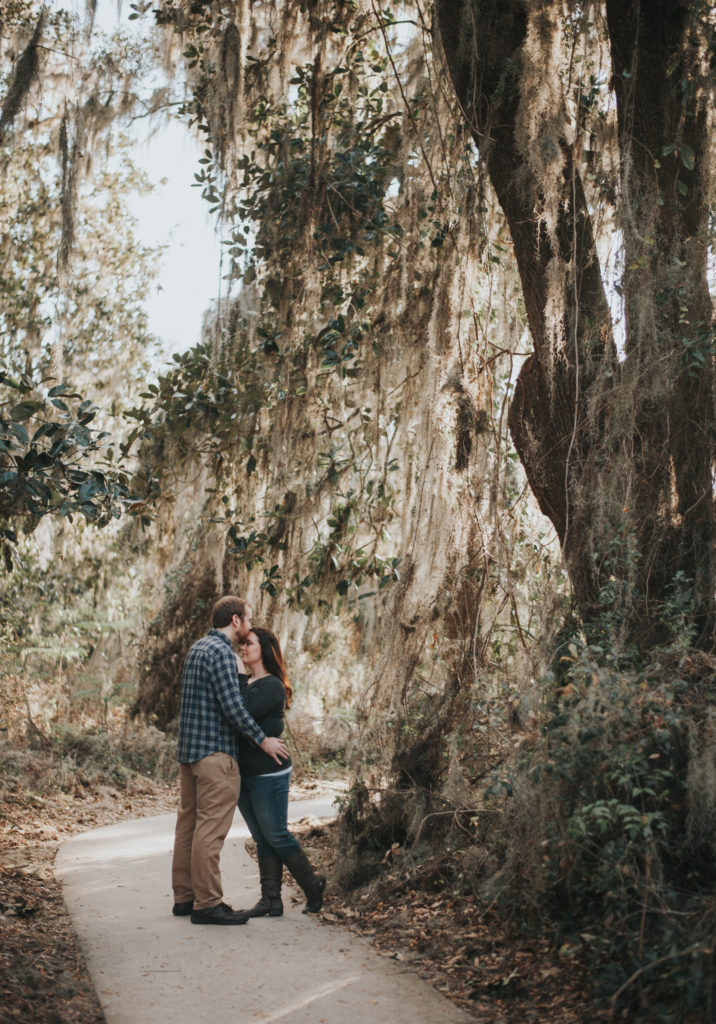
224	610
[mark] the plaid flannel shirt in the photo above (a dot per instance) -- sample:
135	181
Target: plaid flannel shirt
212	709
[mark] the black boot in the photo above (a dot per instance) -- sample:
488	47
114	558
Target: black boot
270	875
311	883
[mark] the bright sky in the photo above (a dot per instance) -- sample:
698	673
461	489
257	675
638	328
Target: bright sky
174	214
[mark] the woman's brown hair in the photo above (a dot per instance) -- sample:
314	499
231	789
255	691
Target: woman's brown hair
272	658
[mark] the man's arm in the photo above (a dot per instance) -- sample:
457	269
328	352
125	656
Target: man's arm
275	748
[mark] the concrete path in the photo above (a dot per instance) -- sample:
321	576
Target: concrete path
149	966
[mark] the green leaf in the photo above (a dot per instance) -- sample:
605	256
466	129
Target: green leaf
24	410
40	489
20	432
82	436
10	382
88	490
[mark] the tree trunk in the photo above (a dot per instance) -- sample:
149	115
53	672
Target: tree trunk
617	451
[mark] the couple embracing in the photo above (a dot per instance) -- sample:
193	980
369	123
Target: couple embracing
229	750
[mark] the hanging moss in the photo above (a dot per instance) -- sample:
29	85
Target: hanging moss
23	77
358	263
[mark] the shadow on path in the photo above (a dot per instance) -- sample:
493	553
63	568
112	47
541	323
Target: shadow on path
149	966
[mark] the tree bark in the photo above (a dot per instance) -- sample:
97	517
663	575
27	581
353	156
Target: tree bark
656	52
618	452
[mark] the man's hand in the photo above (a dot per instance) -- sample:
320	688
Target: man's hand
275	748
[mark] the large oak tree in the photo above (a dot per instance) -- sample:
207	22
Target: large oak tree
617	439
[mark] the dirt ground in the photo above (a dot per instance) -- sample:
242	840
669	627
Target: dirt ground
472	957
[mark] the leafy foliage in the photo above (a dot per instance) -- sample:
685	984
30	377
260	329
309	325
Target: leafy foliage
341	175
605	824
69	350
74	343
46	443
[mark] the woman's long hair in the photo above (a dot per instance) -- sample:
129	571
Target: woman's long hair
272	658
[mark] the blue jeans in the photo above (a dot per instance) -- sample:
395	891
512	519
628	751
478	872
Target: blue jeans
263	803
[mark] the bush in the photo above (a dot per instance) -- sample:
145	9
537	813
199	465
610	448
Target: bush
135	750
611	831
130	759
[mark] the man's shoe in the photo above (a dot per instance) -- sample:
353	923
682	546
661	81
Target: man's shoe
183	909
220	914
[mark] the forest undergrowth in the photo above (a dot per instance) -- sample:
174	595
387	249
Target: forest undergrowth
574	884
593	835
51	788
54	789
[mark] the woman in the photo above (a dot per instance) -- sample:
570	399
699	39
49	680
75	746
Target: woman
263	801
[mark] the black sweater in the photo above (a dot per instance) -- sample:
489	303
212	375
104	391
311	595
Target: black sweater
265	699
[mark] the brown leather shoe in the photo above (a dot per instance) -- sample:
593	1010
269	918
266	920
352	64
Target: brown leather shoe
220	914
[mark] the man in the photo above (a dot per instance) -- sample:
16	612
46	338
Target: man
211	711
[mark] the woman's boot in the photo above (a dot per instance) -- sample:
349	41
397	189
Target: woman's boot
270	875
311	883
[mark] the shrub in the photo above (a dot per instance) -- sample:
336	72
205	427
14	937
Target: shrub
611	830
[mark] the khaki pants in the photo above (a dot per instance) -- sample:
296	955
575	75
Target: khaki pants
208	795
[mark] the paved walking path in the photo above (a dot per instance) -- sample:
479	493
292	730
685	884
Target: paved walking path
149	966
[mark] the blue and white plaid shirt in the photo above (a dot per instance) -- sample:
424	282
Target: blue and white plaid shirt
212	708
